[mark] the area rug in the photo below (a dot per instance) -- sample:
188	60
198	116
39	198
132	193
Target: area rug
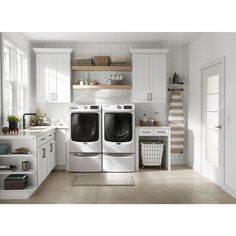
103	179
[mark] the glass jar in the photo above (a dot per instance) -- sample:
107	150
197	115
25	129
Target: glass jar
143	121
156	119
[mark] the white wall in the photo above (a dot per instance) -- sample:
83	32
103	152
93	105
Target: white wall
0	78
205	49
18	40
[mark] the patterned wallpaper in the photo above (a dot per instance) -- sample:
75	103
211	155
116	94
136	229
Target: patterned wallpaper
177	61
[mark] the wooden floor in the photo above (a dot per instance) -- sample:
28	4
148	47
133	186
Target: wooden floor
180	186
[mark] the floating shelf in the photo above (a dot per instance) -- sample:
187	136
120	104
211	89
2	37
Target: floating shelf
102	86
16	155
102	68
9	172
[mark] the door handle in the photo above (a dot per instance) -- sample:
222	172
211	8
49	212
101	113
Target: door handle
51	147
219	126
44	153
151	96
52	96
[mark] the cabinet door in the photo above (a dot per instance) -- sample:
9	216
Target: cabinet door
46	77
158	78
140	77
63	78
52	155
42	163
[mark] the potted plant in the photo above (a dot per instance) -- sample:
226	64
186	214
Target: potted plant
13	123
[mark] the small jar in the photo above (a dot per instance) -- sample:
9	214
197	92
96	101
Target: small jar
25	165
151	122
143	121
156	119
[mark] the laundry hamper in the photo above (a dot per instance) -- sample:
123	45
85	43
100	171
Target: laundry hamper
151	153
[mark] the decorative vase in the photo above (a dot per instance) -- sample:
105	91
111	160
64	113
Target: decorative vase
13	127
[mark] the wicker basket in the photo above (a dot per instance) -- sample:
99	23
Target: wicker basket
101	61
151	153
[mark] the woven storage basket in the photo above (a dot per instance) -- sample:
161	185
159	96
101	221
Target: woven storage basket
101	61
151	153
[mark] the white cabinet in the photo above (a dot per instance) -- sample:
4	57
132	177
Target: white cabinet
46	155
53	75
42	163
149	75
52	155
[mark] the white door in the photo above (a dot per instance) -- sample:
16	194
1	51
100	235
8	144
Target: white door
213	122
46	77
63	78
141	78
158	78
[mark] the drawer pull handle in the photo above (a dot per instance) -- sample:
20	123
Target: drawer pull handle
42	139
146	132
161	132
44	153
50	135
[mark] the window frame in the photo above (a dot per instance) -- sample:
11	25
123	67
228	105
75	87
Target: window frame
14	52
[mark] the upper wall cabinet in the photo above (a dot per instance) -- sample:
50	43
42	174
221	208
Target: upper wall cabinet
149	75
53	75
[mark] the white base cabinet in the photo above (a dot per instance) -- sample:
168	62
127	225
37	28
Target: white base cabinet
149	75
52	155
46	155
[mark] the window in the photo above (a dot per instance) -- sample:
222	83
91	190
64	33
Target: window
14	81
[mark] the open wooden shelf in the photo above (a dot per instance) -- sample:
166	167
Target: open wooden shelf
27	188
16	155
102	68
102	86
9	172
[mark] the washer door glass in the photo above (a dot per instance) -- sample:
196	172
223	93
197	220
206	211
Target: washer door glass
84	127
118	127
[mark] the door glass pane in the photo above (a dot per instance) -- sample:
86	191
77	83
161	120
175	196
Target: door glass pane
213	84
212	119
213	102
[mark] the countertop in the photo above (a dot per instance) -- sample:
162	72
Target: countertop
157	127
24	134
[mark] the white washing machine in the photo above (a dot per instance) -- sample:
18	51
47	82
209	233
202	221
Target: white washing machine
85	138
118	138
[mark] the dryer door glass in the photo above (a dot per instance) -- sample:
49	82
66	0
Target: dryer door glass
84	127
118	127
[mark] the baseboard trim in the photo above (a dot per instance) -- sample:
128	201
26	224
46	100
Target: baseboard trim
229	190
60	167
178	161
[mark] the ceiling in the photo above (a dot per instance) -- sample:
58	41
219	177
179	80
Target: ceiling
111	37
